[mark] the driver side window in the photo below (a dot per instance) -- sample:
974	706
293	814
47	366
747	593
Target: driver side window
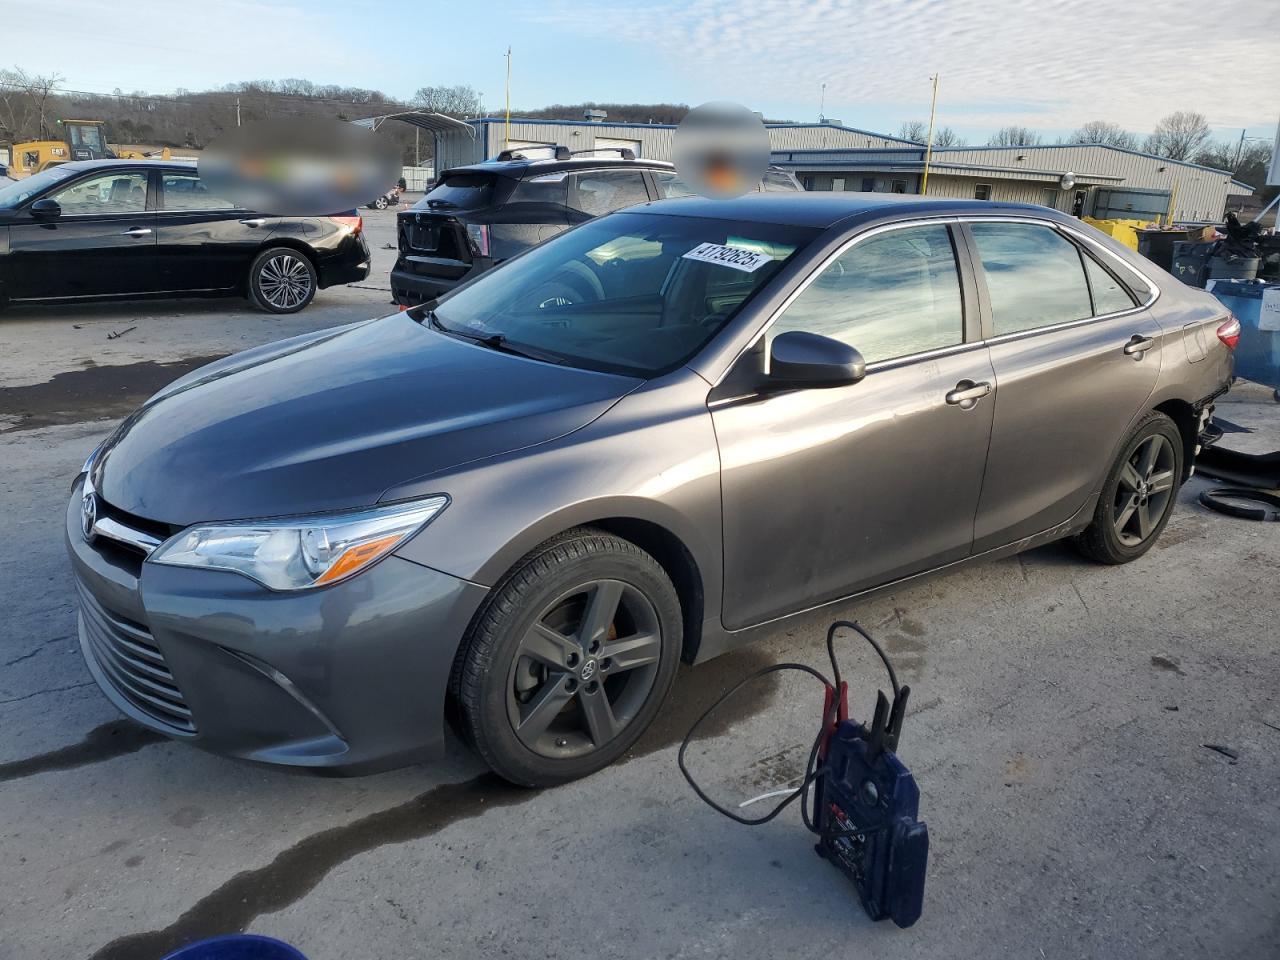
892	295
108	193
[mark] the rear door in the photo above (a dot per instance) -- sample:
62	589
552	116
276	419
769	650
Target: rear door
204	242
1075	360
102	244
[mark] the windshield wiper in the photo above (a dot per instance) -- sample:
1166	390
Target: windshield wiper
494	341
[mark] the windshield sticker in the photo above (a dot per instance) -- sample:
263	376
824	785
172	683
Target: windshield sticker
745	260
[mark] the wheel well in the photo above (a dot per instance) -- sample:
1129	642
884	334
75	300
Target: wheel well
675	558
1184	415
289	242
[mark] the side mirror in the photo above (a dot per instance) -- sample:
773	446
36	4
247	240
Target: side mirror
46	209
800	360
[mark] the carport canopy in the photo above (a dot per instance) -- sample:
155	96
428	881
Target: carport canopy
434	122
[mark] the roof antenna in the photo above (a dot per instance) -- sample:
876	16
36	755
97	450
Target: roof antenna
822	106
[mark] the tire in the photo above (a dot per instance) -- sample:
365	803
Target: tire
538	699
380	203
282	280
1138	494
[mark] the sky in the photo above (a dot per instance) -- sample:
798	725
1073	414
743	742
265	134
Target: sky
1049	66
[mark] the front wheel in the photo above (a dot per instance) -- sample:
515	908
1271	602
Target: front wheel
569	660
282	280
1138	494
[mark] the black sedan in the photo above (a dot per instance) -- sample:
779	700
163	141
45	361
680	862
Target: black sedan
123	230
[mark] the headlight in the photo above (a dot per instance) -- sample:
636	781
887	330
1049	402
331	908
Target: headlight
295	553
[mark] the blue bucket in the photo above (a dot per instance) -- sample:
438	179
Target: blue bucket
237	946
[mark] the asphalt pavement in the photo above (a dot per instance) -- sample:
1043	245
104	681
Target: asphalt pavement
1063	729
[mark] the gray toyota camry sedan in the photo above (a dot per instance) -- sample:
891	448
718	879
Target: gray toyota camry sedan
646	440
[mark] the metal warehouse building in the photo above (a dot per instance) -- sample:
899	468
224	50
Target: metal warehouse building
1105	181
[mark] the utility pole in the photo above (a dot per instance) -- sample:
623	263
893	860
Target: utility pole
237	111
507	134
928	152
1239	153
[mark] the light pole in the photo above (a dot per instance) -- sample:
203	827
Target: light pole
928	150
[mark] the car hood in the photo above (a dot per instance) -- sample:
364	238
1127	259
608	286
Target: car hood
330	420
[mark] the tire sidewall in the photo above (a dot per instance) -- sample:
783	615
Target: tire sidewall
494	735
255	276
1157	424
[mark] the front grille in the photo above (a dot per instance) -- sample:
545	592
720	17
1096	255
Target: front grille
134	665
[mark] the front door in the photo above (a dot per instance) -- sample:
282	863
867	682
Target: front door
1064	334
102	244
827	492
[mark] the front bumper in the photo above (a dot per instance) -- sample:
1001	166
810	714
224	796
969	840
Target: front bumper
350	678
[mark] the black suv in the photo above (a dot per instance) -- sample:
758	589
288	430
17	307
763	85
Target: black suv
479	215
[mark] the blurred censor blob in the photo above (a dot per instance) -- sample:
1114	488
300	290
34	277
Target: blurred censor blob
299	167
721	150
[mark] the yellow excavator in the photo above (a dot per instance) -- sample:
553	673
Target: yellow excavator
82	140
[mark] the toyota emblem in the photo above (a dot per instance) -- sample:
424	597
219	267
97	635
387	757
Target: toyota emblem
588	670
88	515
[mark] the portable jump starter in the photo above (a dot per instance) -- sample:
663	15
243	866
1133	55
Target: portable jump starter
865	803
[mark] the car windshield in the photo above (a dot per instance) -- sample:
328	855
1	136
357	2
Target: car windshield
12	194
634	293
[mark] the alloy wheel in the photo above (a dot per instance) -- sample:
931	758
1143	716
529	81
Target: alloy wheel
1144	490
285	282
584	669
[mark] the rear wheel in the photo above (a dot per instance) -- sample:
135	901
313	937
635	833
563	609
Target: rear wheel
380	203
282	280
569	660
1138	494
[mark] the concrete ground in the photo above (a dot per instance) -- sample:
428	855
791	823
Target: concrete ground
1060	716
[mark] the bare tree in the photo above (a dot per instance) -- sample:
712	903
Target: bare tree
1104	133
1015	136
1179	135
913	130
25	98
946	137
461	100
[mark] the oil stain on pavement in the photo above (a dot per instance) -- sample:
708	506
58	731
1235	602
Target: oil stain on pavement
297	871
110	740
92	393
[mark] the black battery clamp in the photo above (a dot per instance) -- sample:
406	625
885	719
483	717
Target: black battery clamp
856	795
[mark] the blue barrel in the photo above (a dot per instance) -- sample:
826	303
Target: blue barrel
237	946
1258	353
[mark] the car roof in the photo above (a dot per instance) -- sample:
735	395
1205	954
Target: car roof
80	165
827	208
519	167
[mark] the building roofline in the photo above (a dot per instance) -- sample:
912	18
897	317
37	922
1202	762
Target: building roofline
672	126
1104	146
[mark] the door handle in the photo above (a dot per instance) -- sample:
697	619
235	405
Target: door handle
254	221
136	232
967	394
1138	346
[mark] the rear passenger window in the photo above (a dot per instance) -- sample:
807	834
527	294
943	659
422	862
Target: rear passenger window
670	185
186	191
548	190
1109	296
892	295
603	191
1034	276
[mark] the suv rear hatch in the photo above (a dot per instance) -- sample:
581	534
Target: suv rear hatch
433	237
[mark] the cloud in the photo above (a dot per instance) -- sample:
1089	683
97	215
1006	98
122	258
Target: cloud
1001	61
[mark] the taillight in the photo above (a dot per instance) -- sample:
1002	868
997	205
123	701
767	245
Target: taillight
353	223
478	239
1229	332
